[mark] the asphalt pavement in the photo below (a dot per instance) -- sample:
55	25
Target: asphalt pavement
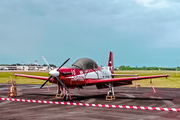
130	96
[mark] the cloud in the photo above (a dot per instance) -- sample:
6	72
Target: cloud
42	26
154	3
33	18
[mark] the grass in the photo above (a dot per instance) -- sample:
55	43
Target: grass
171	82
4	76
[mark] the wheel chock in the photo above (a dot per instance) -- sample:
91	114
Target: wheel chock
108	97
12	95
113	97
59	95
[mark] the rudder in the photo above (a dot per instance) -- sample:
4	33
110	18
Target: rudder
110	63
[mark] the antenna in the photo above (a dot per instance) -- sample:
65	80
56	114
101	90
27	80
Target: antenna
36	62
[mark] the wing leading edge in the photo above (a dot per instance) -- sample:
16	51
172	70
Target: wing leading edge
31	76
99	81
95	81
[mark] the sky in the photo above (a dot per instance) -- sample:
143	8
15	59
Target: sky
138	32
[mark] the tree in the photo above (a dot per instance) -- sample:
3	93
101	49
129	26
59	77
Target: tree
122	67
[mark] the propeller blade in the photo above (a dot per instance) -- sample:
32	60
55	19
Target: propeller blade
46	82
61	82
63	63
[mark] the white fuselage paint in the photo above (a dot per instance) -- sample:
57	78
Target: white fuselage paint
101	74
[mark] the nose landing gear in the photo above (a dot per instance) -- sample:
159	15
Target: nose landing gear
63	93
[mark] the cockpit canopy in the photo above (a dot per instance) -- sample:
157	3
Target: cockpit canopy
85	63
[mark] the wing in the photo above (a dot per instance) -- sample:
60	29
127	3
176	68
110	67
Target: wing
35	77
125	75
100	81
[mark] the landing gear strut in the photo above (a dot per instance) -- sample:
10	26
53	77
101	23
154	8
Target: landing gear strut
67	96
110	94
63	92
60	92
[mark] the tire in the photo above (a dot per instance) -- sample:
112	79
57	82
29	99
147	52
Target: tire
66	98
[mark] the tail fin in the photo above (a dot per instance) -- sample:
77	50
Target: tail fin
110	63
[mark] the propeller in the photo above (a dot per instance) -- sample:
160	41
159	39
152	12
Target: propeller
63	63
46	82
61	82
55	73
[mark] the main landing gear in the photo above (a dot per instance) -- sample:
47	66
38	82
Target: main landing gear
63	92
110	94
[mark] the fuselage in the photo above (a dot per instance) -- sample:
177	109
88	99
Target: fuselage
74	77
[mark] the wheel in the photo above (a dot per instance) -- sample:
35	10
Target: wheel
59	92
66	98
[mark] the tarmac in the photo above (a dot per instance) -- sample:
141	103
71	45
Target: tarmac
130	96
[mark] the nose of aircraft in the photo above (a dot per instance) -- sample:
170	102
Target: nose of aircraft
54	73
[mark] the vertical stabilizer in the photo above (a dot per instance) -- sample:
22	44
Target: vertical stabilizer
110	63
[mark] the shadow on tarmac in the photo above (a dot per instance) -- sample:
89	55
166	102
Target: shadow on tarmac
103	96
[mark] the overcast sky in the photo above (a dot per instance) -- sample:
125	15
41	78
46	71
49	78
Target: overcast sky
138	32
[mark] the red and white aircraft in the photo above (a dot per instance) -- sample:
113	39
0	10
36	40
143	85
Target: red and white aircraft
85	72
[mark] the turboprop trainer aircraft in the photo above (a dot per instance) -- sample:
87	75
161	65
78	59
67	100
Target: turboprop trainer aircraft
86	72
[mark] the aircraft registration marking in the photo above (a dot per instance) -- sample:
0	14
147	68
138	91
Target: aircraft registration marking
76	77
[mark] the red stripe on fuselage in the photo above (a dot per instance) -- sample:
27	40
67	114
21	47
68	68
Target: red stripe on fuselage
74	79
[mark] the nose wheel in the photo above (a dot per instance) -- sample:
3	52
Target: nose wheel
63	92
66	98
59	92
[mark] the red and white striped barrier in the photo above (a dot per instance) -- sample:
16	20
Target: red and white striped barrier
95	105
